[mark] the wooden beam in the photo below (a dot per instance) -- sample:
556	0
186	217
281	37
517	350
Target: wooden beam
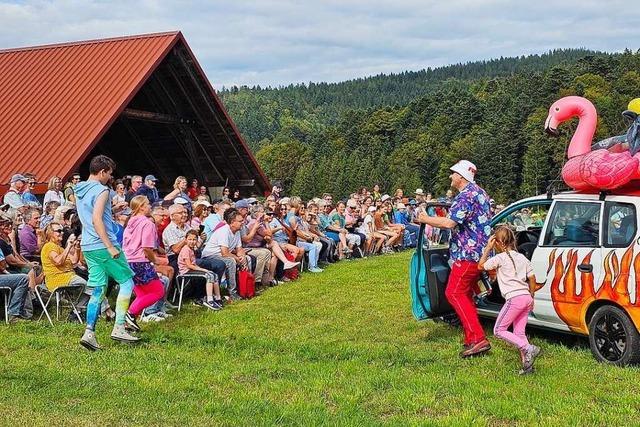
150	116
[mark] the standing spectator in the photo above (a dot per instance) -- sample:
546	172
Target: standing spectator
179	190
193	190
54	192
136	183
13	197
28	197
235	196
419	195
149	190
70	189
468	219
31	235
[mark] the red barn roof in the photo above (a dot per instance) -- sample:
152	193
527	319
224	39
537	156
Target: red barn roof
58	101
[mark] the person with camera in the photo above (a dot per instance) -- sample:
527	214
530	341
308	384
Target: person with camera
252	223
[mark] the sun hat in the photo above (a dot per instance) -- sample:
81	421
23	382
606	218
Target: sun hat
419	192
372	209
180	200
400	206
202	202
385	197
465	169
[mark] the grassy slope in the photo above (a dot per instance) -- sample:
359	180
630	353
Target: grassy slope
336	348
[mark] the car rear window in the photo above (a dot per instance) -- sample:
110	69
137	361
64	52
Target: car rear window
621	224
573	224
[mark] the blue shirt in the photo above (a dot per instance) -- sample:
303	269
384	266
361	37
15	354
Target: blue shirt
210	223
472	212
86	194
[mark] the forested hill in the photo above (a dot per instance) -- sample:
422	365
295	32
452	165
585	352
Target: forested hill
257	111
496	122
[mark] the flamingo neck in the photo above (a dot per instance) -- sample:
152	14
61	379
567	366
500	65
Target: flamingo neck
583	137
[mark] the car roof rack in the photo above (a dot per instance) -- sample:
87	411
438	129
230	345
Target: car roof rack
556	186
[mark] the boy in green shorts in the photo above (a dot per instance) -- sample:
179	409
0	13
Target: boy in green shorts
99	246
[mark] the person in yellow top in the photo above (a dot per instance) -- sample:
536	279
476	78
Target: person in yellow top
58	263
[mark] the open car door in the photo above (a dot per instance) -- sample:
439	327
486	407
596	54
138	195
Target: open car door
429	272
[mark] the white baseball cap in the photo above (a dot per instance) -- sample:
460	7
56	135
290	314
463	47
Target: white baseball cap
385	197
465	169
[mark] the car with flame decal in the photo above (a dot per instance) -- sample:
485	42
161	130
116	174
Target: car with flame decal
585	251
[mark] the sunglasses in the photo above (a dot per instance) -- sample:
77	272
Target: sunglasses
57	230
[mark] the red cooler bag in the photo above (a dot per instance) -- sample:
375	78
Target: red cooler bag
246	284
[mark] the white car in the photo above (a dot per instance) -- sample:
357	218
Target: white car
585	251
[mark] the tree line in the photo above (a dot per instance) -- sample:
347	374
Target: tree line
491	113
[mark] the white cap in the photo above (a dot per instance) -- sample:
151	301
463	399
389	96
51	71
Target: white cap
201	202
400	206
372	208
385	197
351	203
180	200
466	169
419	191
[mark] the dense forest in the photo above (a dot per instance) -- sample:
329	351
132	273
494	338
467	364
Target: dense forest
405	130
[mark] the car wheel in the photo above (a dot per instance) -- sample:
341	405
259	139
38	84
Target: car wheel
613	337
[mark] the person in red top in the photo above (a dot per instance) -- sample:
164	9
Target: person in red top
193	190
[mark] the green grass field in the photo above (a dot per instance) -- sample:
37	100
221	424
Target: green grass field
339	348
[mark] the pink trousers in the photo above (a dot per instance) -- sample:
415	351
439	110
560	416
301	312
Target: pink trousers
146	295
514	312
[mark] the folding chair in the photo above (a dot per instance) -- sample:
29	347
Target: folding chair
58	293
183	281
8	293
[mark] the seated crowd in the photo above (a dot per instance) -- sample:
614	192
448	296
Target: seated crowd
186	233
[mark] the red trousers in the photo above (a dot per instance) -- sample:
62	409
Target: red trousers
463	277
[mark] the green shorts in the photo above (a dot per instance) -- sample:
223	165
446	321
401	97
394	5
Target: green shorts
102	267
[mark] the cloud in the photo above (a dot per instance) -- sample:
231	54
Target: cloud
277	42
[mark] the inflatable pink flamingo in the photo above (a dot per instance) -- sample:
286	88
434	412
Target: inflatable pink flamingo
585	169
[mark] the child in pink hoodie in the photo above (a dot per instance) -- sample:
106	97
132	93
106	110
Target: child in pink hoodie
139	241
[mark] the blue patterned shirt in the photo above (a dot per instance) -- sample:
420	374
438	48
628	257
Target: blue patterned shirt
472	212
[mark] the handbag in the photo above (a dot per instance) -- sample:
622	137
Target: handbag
246	284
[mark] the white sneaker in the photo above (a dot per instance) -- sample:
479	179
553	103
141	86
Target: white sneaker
289	265
163	314
152	318
119	333
316	270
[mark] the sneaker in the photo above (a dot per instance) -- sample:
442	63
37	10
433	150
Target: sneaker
234	296
170	306
524	371
476	349
198	301
89	341
152	318
16	319
119	333
164	315
530	355
212	305
130	320
286	279
290	264
315	270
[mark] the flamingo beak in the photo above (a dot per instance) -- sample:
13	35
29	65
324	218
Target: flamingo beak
551	126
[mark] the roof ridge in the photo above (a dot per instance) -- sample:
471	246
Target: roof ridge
92	41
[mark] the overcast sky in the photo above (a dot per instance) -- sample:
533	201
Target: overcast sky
277	42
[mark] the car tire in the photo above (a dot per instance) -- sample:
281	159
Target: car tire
613	337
